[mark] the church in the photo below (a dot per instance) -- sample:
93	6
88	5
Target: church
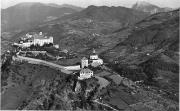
93	61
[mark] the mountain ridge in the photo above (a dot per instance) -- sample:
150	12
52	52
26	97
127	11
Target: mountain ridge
148	7
105	13
25	15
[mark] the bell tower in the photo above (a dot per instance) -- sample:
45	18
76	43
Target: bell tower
94	56
94	52
84	62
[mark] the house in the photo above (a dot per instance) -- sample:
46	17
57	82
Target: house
85	73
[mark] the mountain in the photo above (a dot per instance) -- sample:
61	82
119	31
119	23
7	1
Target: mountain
150	52
105	13
25	15
66	5
72	7
147	7
82	29
145	49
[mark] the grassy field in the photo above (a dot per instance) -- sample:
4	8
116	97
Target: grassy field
103	82
103	73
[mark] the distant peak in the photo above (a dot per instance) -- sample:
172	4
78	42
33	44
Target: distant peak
28	3
92	6
66	5
144	3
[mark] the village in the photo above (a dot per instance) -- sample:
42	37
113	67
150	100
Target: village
35	50
26	48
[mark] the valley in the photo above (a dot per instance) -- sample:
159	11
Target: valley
140	72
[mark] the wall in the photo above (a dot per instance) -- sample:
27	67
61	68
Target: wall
42	62
78	67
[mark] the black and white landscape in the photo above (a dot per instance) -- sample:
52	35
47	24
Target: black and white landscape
59	56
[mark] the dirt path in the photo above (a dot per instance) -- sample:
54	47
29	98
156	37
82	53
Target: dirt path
104	105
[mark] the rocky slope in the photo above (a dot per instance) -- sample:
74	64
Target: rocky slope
28	86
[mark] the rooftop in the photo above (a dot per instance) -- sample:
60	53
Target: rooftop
38	36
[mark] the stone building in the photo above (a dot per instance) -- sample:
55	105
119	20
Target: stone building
84	62
36	39
85	73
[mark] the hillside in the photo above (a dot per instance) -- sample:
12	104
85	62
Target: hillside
147	7
150	52
146	50
86	28
105	13
131	43
65	5
25	15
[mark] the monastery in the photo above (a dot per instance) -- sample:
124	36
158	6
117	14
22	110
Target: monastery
36	39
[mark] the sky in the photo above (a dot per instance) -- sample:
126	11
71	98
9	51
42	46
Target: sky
85	3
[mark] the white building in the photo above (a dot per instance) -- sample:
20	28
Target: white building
56	46
77	67
85	73
95	60
41	39
36	39
84	62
